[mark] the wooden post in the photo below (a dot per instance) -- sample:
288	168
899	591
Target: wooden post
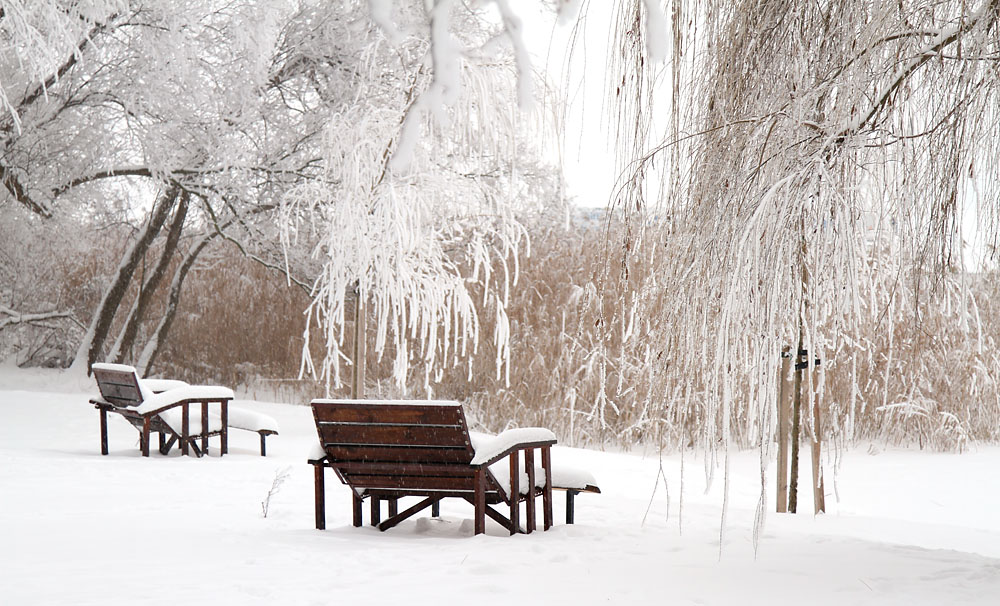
529	510
360	333
436	509
570	503
263	445
393	506
793	489
793	497
104	431
819	497
547	491
515	493
783	413
320	488
376	511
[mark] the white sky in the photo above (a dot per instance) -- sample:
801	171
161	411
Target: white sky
588	156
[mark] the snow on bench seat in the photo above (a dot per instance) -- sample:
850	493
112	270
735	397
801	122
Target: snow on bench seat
180	394
241	418
571	479
157	385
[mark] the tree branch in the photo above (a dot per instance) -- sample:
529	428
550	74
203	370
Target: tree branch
15	317
932	50
17	190
138	171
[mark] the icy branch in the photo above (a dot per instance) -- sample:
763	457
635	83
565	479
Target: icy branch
15	317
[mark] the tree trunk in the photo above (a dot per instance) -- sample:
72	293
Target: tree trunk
793	488
155	343
100	326
138	310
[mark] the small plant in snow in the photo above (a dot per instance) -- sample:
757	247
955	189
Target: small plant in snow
279	478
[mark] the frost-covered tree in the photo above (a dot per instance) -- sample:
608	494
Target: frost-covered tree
815	155
400	139
419	191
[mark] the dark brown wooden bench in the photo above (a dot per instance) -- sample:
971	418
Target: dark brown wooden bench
385	451
123	393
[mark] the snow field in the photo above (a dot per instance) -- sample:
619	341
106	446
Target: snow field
77	528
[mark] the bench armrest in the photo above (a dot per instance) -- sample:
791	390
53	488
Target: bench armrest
490	449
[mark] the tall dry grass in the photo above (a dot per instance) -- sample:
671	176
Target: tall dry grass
593	355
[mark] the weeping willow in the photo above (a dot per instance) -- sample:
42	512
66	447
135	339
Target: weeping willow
814	174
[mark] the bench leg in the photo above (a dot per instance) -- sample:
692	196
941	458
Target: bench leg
480	501
393	506
547	491
104	431
204	427
376	512
515	493
319	472
263	445
356	508
144	437
224	436
436	509
185	429
166	446
570	498
529	466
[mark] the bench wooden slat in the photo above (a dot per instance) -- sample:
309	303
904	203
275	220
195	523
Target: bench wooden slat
401	454
421	469
388	413
378	435
428	483
118	387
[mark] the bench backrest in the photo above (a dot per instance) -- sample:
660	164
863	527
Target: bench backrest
118	385
412	445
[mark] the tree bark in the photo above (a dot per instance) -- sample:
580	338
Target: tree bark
100	326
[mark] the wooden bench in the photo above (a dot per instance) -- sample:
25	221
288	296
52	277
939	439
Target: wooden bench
388	450
164	407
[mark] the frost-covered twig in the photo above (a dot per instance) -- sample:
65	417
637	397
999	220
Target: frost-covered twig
279	478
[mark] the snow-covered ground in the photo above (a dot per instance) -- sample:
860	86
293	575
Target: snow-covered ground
905	527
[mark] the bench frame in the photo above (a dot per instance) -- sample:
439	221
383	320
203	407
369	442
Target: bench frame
120	393
348	427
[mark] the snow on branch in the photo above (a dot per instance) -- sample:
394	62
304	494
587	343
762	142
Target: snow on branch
49	37
944	38
16	317
452	42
